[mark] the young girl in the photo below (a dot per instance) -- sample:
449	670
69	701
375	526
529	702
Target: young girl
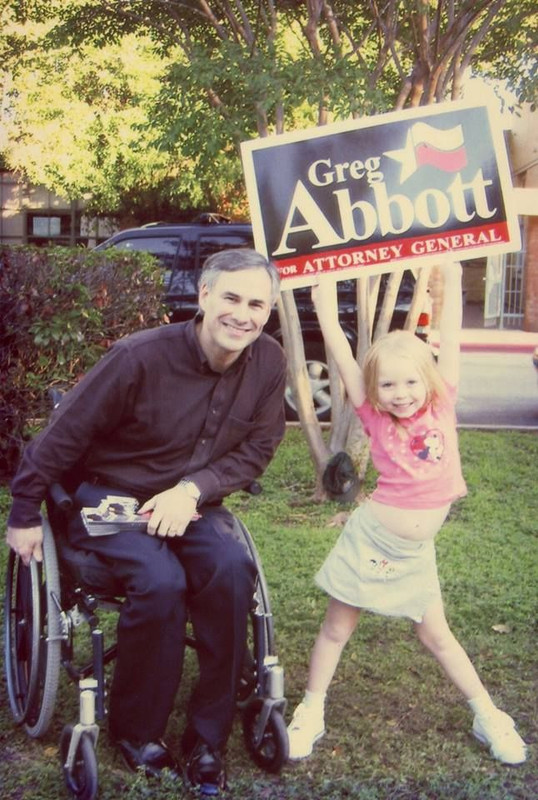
384	560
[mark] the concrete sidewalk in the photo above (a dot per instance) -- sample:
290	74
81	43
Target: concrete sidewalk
494	340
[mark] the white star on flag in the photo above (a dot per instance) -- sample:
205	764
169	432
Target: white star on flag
428	145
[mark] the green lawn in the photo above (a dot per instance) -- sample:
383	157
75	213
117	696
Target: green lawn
396	728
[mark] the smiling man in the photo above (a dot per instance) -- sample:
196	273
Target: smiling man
235	308
179	417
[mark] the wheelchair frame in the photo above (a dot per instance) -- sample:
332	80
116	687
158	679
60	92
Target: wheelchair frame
41	616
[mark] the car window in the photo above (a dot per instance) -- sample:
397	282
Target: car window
207	244
162	247
184	282
183	289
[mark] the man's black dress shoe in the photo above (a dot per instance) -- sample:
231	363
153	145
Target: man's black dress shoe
205	770
153	757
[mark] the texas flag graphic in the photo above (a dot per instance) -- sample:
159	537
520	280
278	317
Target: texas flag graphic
426	145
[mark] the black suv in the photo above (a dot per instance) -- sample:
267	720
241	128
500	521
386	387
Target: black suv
182	249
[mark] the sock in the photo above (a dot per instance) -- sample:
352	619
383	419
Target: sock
482	704
315	700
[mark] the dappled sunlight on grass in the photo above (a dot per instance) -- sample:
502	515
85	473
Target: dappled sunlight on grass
397	730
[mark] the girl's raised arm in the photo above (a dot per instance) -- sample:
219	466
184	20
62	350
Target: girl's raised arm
325	299
450	324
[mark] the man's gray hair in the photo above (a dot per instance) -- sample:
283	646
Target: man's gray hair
235	260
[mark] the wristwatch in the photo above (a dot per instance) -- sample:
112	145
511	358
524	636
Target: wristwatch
191	488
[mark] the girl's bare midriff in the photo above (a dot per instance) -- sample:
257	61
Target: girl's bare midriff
418	524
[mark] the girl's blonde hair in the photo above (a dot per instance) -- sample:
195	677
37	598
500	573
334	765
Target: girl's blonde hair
406	345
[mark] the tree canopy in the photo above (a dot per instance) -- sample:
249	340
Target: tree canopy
112	99
156	95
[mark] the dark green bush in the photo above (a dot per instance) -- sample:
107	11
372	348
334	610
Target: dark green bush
60	308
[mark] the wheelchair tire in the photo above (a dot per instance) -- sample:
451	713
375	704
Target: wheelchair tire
50	644
83	781
22	632
33	637
271	753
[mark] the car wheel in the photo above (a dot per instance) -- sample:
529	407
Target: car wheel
318	375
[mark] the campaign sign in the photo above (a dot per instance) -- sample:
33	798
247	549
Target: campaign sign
371	195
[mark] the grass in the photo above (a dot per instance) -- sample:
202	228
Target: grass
397	730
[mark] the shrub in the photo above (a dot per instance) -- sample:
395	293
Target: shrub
60	308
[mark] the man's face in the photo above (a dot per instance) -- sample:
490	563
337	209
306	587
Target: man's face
235	310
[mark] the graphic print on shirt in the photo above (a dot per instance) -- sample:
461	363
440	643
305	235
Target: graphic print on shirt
429	446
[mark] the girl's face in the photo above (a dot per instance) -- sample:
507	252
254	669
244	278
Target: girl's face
401	390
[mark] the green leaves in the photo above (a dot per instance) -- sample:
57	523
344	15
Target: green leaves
60	308
115	102
85	132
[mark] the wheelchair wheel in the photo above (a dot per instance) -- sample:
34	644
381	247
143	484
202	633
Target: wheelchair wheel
33	638
271	753
22	631
82	780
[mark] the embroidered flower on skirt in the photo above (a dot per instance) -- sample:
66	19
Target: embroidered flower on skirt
370	567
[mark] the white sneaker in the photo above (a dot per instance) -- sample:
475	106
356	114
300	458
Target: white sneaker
498	730
306	727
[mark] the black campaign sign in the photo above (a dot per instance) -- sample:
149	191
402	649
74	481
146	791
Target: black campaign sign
370	195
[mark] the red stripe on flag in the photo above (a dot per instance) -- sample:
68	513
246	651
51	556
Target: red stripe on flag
447	160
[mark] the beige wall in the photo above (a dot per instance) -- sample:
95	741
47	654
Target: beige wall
11	200
524	157
524	146
473	280
32	214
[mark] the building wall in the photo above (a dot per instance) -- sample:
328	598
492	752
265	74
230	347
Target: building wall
530	321
524	143
473	280
524	156
33	215
11	203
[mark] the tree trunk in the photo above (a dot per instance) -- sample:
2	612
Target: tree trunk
388	305
418	301
298	378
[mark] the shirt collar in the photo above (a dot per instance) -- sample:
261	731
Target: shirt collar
199	355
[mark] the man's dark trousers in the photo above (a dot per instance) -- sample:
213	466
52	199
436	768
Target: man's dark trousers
206	568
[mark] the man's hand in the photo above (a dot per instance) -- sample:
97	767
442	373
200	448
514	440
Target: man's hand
26	542
172	511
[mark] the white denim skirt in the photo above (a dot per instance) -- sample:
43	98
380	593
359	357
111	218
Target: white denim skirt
370	567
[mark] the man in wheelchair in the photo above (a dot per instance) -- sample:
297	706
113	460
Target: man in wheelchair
177	417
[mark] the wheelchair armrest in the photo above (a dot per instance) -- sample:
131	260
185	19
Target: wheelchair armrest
60	498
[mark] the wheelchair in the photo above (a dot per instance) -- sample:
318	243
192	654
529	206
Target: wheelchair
44	605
